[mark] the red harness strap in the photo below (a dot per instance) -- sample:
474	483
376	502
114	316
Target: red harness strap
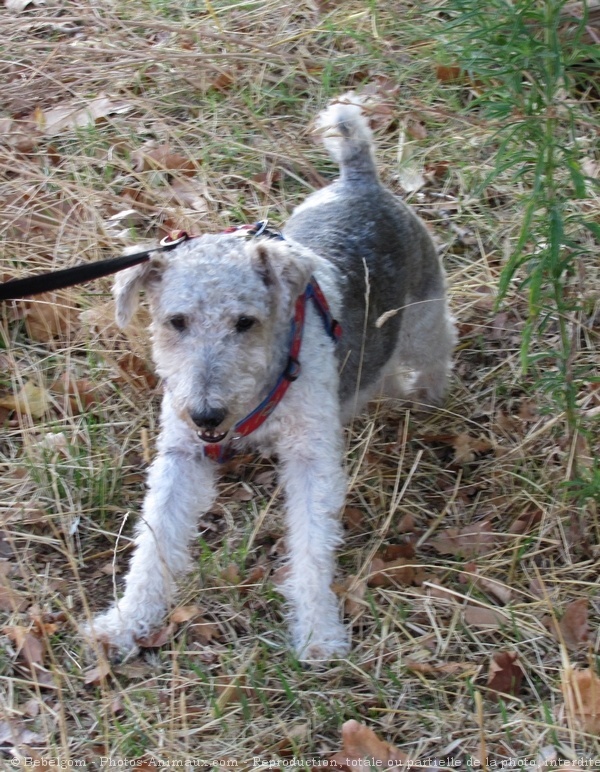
223	452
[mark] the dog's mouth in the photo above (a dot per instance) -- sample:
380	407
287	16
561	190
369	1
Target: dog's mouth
212	435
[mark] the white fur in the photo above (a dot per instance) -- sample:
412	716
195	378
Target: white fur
211	282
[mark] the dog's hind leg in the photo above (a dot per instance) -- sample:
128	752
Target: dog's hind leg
426	342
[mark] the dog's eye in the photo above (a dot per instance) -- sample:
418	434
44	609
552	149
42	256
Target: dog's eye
178	322
244	323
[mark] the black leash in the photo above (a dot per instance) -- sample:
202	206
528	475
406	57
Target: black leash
67	277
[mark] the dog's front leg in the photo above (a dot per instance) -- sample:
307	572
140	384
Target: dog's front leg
180	488
315	487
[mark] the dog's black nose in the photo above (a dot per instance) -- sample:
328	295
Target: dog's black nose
209	419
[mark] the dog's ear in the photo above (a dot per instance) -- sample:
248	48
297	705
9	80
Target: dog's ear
281	265
130	282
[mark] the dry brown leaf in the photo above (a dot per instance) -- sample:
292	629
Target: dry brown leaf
72	116
30	651
497	589
479	616
505	674
203	631
466	448
444	668
11	600
353	592
528	411
389	573
15	734
159	638
353	518
136	372
97	674
48	317
448	73
183	614
407	524
231	574
152	156
190	194
223	81
31	400
471	541
526	521
573	628
31	708
362	749
415	127
81	392
254	576
581	691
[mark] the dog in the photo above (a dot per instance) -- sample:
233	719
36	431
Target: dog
246	338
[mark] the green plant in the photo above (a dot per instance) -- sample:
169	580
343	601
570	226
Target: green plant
524	60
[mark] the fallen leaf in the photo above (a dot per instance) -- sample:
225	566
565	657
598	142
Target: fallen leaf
529	410
389	573
445	668
97	674
466	448
183	614
396	551
231	574
526	521
415	127
203	631
407	524
15	734
135	371
573	628
410	177
497	589
48	317
353	592
581	692
190	193
353	518
223	81
159	638
11	600
471	541
72	116
30	400
31	708
505	674
30	651
479	616
152	156
80	392
448	73
362	749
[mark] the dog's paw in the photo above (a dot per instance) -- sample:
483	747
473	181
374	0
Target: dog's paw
323	645
111	632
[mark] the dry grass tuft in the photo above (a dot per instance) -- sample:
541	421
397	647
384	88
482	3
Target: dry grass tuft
468	577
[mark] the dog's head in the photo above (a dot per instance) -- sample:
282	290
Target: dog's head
221	310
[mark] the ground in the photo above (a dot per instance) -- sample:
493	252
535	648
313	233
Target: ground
468	572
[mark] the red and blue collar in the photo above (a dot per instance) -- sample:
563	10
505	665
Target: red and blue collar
221	452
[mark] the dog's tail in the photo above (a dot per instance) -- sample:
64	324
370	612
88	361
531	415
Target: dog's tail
344	129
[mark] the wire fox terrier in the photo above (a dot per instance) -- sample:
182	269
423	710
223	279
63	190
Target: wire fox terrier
232	320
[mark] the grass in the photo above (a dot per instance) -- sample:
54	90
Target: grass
232	87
